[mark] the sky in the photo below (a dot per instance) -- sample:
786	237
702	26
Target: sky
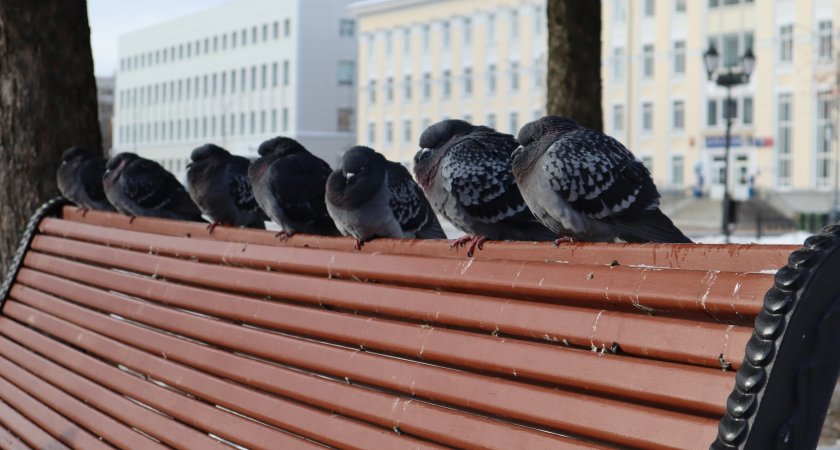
111	18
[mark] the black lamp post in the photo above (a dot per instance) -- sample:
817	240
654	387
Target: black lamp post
728	79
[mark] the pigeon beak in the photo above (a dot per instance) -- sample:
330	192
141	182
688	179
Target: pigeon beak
189	165
422	154
517	152
349	175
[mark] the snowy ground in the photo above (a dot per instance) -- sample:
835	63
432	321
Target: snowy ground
794	238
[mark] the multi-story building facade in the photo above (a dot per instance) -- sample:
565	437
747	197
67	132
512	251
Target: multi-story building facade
105	99
236	75
658	100
483	61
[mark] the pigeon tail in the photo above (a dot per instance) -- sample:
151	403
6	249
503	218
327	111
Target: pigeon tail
650	226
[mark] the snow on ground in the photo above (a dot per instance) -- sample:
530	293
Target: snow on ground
793	238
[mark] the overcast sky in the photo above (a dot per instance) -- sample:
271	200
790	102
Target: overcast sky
110	18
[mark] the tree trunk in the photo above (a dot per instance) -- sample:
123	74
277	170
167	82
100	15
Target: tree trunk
47	104
574	61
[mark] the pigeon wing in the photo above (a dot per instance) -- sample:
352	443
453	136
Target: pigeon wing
409	205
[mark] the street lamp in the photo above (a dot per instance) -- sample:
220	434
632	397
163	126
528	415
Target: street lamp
728	79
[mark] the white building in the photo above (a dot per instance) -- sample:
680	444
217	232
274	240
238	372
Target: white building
236	75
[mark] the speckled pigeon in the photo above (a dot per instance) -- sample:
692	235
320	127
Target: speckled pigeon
586	185
219	185
465	171
370	197
289	185
79	179
141	187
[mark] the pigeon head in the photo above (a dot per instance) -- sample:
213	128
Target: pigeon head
75	152
432	141
359	162
208	151
115	166
281	146
534	131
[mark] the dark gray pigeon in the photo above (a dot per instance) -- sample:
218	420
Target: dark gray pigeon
141	187
80	179
289	185
588	186
465	171
370	197
219	185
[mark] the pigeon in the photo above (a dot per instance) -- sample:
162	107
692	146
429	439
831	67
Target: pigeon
370	197
141	187
79	179
289	185
218	183
465	171
588	186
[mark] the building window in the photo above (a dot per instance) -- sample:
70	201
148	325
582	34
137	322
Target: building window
262	121
679	58
731	56
491	79
253	78
619	8
491	120
407	88
514	25
188	87
389	47
264	76
286	73
265	32
372	92
514	123
407	44
618	64
491	29
447	35
389	132
647	117
242	79
285	119
649	8
427	86
784	156
273	121
274	75
204	90
677	170
786	44
647	58
346	71
223	83
287	27
371	49
679	6
252	124
232	42
345	119
275	30
389	90
241	123
678	118
467	30
514	76
826	41
468	82
346	28
824	139
748	111
244	35
618	119
426	38
407	131
711	112
371	137
232	81
253	35
447	84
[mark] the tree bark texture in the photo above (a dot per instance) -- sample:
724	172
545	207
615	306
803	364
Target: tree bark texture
47	104
574	61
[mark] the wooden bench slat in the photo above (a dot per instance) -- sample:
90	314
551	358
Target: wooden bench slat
318	425
643	380
733	258
650	337
91	392
8	441
598	418
713	295
51	409
29	432
413	417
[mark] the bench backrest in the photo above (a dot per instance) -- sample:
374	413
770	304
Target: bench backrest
158	333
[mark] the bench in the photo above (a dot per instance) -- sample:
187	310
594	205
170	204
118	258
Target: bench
157	333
